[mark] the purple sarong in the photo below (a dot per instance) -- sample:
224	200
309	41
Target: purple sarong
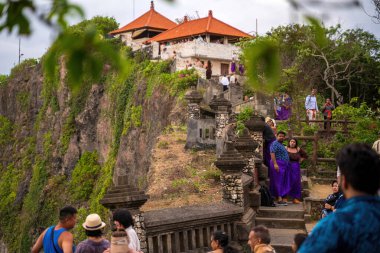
266	149
233	67
284	113
295	180
279	181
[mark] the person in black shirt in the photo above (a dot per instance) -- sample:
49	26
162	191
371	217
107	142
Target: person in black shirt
331	200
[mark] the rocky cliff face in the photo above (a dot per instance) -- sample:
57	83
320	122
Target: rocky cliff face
56	138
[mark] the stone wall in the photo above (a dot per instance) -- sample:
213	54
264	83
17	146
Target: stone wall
232	188
221	122
189	228
193	111
314	207
258	137
211	87
140	230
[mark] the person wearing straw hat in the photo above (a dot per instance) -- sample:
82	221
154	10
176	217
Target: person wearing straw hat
58	239
95	243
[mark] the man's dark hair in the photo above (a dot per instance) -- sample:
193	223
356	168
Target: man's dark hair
124	217
94	233
67	212
299	239
333	182
262	233
360	166
281	132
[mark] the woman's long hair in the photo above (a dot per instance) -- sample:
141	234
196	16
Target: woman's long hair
222	239
293	139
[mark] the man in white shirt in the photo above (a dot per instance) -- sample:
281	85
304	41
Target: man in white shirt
225	82
311	105
376	145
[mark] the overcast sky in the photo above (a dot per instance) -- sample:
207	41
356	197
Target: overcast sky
241	14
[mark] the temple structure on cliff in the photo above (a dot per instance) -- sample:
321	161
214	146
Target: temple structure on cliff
148	25
192	43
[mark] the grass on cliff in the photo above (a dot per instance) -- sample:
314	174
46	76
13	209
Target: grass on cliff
180	177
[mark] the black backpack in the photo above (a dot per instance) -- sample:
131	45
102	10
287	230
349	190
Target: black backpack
266	197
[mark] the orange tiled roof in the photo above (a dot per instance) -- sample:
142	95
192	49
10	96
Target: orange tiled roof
150	19
205	25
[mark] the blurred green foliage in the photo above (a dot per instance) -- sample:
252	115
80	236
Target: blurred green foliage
4	80
245	114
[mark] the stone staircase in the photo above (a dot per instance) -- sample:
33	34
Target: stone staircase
283	222
323	177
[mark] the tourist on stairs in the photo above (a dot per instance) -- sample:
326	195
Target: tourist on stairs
95	242
296	156
269	137
58	239
355	227
259	240
278	169
219	243
327	109
123	220
311	105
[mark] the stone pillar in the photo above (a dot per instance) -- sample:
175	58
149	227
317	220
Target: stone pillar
222	108
236	188
256	127
246	146
194	99
140	230
231	164
124	196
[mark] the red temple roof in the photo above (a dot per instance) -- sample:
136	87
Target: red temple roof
207	25
150	19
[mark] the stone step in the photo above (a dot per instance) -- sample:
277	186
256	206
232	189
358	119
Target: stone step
119	189
305	193
122	194
281	222
304	182
282	239
279	212
123	199
326	174
325	181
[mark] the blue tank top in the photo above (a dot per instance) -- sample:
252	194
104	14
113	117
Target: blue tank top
48	242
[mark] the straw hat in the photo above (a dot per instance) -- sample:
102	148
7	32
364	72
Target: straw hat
93	222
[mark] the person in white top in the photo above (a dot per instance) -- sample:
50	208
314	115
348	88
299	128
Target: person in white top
376	145
233	79
123	220
224	81
311	105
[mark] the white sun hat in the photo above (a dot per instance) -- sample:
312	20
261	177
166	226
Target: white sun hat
93	222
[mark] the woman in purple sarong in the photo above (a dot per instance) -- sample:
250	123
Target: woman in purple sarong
286	107
278	169
296	156
233	67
